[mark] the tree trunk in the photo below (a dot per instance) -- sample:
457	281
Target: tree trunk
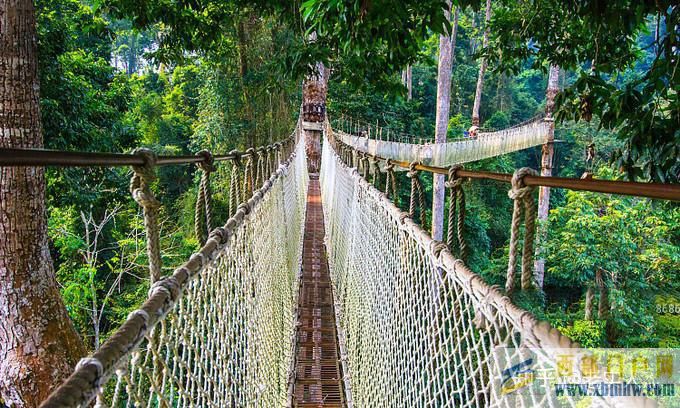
38	343
409	82
446	49
590	298
548	151
482	68
603	306
242	34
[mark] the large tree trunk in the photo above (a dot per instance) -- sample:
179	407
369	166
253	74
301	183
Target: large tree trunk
38	343
242	34
548	151
482	68
446	49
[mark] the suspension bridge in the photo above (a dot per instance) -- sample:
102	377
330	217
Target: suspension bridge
532	133
319	291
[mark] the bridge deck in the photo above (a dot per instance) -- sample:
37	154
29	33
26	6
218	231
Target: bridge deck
318	379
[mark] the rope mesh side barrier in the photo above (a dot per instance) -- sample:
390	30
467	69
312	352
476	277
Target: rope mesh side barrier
416	326
218	332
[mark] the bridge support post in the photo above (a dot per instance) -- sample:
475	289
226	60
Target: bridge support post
313	115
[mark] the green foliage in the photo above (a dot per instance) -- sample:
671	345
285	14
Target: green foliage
625	76
633	241
179	77
587	333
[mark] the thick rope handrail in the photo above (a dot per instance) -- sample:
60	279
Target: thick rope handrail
455	230
523	199
203	212
140	188
179	364
61	158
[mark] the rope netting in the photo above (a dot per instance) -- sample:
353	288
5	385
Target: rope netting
220	331
417	328
485	145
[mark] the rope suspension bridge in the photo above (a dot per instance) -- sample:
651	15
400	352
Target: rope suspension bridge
319	291
493	143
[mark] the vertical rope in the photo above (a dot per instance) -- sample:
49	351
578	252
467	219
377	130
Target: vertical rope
204	199
140	188
456	200
259	171
376	170
390	181
522	196
366	166
249	173
417	195
268	159
234	184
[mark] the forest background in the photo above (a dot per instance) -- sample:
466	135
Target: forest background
115	76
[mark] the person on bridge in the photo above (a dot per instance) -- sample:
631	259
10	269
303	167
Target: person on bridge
473	131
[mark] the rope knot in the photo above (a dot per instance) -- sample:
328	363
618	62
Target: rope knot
237	156
520	190
208	163
437	247
454	181
140	188
412	171
143	177
98	366
389	166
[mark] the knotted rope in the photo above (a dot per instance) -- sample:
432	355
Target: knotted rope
376	170
390	181
366	165
260	175
416	193
204	199
235	195
140	188
522	196
456	199
249	173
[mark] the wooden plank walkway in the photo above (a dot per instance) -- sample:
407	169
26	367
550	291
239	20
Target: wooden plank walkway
318	376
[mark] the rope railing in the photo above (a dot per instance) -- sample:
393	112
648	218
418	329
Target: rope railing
60	158
220	330
649	190
416	326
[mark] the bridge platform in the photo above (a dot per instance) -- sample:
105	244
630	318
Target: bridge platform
318	376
